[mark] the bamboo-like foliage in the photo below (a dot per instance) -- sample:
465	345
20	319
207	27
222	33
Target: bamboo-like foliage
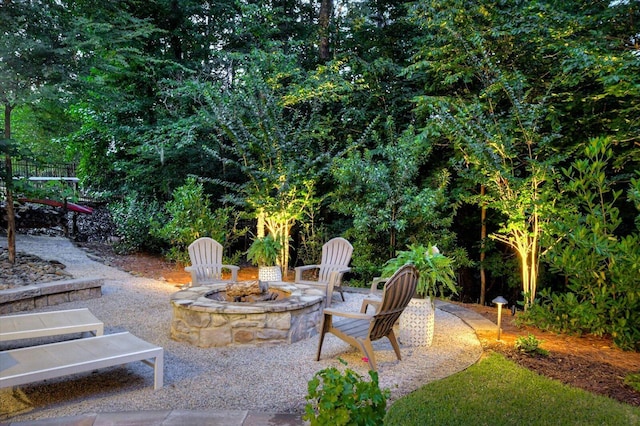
502	145
277	151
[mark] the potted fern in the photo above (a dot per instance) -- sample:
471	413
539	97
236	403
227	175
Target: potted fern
437	276
264	253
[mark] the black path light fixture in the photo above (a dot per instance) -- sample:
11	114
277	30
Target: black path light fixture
499	301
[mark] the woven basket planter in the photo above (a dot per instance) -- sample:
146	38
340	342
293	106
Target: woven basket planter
417	323
269	273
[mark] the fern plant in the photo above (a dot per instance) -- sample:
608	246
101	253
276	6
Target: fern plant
436	270
264	251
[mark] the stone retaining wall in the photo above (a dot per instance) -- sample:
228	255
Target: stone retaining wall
29	297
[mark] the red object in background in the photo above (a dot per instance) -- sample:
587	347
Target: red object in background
70	206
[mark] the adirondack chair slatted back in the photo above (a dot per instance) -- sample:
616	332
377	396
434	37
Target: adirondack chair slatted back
397	293
206	256
336	255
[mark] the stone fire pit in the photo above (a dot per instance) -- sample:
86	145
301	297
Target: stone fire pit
202	321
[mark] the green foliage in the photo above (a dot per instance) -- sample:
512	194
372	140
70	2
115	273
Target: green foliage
391	203
345	398
133	219
40	130
496	391
189	218
278	152
143	82
502	145
264	251
54	189
600	315
511	128
437	276
312	238
530	345
600	264
633	380
502	268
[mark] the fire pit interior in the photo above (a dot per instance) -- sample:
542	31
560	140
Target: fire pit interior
248	292
246	313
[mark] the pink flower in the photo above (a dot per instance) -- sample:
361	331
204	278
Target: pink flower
365	359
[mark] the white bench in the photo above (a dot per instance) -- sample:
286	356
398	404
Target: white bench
35	363
24	326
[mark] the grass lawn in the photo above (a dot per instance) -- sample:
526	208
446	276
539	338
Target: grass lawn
496	391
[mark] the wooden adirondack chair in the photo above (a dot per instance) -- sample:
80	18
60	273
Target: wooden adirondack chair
206	262
336	255
360	329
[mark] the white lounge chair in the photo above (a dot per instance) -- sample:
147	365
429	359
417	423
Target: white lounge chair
36	363
25	326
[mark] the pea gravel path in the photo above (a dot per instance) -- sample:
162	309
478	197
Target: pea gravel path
269	379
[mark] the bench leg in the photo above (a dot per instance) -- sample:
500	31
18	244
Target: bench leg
158	371
157	363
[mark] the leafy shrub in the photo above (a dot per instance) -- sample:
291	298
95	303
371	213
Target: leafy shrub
633	380
132	218
312	238
598	315
600	264
530	345
344	398
190	217
391	202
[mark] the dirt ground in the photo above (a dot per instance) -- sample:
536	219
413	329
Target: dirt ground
586	362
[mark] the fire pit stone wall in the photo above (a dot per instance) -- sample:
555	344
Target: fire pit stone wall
206	323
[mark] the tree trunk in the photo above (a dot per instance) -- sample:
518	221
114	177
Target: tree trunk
11	214
483	238
260	226
326	8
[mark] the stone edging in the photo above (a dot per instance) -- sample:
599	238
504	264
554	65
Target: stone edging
28	297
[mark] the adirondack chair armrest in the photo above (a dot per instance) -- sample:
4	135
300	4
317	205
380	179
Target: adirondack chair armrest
335	277
377	281
211	265
343	314
342	271
371	300
374	298
234	271
231	267
193	270
300	269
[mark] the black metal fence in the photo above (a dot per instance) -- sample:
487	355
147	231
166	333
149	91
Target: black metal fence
40	175
25	168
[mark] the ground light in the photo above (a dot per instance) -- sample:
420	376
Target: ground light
499	301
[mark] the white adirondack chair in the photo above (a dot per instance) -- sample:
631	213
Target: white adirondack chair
336	255
206	262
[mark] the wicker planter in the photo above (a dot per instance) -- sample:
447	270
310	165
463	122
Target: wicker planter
417	323
269	273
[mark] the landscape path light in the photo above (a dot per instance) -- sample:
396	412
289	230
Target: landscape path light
499	301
